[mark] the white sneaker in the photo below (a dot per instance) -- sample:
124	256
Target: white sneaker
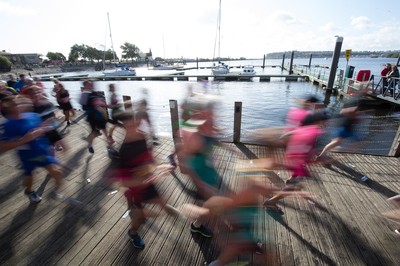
33	197
56	196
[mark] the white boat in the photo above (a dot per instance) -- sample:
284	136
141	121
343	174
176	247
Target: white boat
221	68
120	72
163	67
248	70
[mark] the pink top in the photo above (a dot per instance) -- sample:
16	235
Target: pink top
295	117
302	140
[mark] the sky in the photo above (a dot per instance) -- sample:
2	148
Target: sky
188	28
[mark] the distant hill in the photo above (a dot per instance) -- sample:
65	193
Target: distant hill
323	54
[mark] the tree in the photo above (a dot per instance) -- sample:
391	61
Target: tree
5	64
130	51
110	55
77	51
55	56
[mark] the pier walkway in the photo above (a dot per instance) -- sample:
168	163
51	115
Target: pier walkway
347	229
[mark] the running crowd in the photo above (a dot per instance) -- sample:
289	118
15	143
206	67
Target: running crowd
30	127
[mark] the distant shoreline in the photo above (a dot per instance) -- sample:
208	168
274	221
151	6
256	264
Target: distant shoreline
33	72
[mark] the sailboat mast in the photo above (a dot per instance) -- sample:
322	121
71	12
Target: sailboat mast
219	31
112	45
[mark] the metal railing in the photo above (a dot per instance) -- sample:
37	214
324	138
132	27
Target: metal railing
388	88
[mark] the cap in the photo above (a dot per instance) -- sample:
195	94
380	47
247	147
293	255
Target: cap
192	124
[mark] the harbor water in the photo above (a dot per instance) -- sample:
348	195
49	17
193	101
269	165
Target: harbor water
264	104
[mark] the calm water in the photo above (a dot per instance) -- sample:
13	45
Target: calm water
265	104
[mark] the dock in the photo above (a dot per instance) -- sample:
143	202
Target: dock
181	76
345	228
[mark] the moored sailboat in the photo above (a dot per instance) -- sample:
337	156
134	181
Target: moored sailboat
122	70
221	68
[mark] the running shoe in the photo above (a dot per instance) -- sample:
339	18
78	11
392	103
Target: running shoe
171	159
90	149
273	207
56	196
58	147
136	240
33	196
259	248
202	230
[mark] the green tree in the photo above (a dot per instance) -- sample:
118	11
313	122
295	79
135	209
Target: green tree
5	64
77	51
92	54
55	56
130	51
110	55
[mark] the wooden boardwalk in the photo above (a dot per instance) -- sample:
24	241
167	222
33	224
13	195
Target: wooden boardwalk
346	230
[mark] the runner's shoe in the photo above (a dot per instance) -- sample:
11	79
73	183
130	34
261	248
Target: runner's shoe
90	149
136	240
33	196
273	207
259	248
56	196
171	159
202	230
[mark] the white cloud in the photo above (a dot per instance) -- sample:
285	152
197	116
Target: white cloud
7	8
360	23
283	17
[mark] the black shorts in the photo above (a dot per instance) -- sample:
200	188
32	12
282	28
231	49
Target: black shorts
95	122
137	196
53	136
66	106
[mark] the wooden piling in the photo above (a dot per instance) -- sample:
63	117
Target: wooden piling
291	64
237	122
395	149
173	108
283	62
127	102
103	95
334	65
263	66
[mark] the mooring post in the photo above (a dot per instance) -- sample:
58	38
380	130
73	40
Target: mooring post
197	62
102	94
263	66
395	149
237	122
283	62
127	102
291	64
173	108
309	62
334	65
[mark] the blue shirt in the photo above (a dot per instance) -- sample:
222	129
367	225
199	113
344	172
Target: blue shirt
18	85
13	129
